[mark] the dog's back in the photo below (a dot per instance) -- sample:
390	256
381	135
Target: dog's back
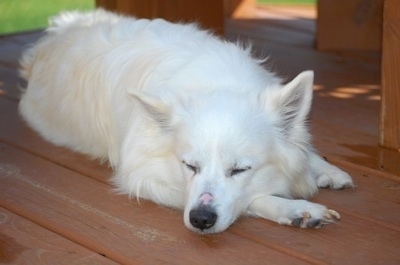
79	72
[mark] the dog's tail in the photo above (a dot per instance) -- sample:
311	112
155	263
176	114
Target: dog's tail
56	24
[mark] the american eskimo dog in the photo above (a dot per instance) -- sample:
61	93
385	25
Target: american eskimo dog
186	119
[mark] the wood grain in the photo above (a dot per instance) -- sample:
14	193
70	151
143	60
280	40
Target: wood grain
86	212
390	111
208	13
349	25
23	242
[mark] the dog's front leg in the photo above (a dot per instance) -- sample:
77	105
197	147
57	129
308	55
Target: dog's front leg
299	213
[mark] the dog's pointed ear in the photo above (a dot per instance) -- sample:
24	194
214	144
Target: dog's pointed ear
293	101
154	106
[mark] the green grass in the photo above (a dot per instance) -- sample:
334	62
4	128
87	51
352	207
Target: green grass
23	15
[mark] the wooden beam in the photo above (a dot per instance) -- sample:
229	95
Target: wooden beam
349	25
390	108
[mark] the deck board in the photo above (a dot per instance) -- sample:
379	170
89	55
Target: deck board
83	210
86	212
24	242
51	194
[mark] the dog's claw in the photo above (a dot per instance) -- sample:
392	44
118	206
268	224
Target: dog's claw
306	215
332	215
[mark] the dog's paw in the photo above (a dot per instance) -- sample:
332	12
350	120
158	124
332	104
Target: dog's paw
334	178
309	221
300	213
327	175
305	214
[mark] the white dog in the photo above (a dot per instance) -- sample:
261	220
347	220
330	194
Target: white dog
186	119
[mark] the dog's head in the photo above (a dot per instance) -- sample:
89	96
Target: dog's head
231	146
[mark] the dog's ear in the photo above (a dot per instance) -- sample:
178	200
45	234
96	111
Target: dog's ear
154	106
293	101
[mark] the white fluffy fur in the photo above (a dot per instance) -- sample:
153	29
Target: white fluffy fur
178	113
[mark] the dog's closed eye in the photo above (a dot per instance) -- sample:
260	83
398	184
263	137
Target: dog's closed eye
236	171
194	169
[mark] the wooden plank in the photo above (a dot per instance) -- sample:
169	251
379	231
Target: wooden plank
52	189
302	56
390	111
86	212
23	242
351	24
374	195
333	74
12	46
287	12
369	232
274	34
376	198
389	160
352	241
301	18
8	82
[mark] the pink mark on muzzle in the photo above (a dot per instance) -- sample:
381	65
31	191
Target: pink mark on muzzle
206	198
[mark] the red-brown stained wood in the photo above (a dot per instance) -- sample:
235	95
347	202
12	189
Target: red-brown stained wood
68	194
350	24
23	242
208	13
80	195
86	212
91	212
369	229
390	111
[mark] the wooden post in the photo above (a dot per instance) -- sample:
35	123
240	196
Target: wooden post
349	25
390	108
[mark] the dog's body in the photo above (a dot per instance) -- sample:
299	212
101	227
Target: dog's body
187	120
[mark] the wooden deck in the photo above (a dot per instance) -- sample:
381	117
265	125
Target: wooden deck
57	207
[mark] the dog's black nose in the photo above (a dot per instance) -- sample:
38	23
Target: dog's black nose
203	218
